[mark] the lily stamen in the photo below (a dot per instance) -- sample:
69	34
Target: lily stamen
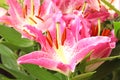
33	36
40	18
32	7
58	33
39	10
63	36
25	11
105	32
49	39
32	20
83	7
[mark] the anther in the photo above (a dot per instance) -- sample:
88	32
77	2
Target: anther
25	11
49	39
63	36
32	20
39	10
94	30
40	18
105	32
26	32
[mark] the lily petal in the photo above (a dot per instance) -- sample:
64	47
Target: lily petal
15	9
45	60
32	5
86	45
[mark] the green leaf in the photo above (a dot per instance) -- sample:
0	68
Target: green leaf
61	76
116	50
13	37
105	69
3	4
17	74
82	65
2	77
40	73
84	76
117	29
8	57
9	63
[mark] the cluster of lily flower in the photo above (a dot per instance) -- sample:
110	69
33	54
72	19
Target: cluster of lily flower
67	30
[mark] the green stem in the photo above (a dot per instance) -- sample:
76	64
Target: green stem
111	6
102	59
69	78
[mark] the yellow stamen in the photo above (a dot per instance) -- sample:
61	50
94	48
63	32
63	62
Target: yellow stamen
83	7
58	33
32	21
99	27
32	7
58	46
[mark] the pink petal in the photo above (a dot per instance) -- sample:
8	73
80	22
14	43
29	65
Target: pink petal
35	55
37	35
94	4
7	20
15	8
85	30
48	7
46	60
70	39
113	37
36	4
73	22
67	6
15	11
103	50
94	16
86	45
65	69
39	58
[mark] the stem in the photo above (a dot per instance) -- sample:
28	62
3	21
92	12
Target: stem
115	75
111	6
102	59
69	78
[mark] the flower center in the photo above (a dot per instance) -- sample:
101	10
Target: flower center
58	43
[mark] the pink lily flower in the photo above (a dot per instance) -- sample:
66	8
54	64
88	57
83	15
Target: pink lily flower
60	50
82	26
102	52
31	13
